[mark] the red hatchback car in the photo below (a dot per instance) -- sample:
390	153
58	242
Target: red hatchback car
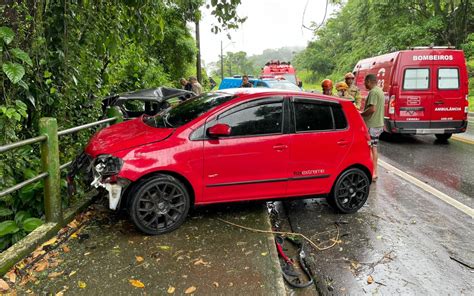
237	145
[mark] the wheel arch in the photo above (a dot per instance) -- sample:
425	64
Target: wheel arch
357	166
362	168
126	196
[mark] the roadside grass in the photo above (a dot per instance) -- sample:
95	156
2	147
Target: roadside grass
310	81
471	102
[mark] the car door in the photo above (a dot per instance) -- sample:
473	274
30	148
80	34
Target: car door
320	142
251	163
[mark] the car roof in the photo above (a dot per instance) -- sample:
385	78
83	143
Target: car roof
280	92
155	94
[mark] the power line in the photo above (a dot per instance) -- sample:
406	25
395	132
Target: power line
303	26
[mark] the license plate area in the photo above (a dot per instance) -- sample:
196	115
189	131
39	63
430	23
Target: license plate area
424	131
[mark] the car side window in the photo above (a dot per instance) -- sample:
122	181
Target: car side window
261	84
340	120
313	117
261	119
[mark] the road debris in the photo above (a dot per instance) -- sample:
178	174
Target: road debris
287	234
462	262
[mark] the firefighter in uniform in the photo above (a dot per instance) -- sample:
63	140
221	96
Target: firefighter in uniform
326	85
343	91
353	90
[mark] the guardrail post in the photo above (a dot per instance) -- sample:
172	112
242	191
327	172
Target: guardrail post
114	111
50	161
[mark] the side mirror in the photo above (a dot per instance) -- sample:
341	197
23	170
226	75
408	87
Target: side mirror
300	83
219	130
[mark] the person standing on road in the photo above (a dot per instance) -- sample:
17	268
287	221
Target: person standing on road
373	116
186	85
353	90
245	82
196	86
326	85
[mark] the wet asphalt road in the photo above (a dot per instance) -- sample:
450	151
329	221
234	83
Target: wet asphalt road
404	238
447	166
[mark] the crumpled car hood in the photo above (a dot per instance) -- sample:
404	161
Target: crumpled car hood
125	135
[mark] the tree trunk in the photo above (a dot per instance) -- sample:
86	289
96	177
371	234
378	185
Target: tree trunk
198	54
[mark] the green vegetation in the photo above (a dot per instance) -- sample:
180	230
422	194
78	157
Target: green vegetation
59	57
367	28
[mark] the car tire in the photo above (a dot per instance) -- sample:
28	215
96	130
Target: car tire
159	205
443	137
350	192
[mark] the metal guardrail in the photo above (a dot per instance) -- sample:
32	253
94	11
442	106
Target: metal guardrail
85	126
49	150
11	146
23	184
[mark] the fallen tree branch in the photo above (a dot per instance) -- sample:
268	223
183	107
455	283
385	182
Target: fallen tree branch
285	233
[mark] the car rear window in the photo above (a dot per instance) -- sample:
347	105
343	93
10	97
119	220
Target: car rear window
448	78
318	117
416	79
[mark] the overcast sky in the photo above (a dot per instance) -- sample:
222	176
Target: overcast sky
270	24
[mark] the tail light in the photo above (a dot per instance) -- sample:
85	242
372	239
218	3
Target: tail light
391	105
365	131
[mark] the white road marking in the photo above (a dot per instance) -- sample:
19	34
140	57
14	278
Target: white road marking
444	197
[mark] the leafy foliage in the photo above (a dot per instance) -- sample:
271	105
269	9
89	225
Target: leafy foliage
366	28
14	71
6	34
58	58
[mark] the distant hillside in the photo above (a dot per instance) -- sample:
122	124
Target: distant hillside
282	54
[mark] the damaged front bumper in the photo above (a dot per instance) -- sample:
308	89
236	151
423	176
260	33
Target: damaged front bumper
115	189
99	172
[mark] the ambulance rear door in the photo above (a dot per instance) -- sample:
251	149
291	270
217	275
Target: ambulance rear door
450	96
413	106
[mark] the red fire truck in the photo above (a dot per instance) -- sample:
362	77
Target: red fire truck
425	90
275	68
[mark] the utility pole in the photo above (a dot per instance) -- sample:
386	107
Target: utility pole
222	62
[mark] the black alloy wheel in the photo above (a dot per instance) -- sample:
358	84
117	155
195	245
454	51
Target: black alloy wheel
350	192
160	205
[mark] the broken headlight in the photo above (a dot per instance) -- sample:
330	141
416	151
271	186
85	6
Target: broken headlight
107	165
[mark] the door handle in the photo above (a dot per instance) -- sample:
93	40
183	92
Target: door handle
439	102
280	147
342	142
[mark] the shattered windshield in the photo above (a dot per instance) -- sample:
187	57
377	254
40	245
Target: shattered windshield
185	112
